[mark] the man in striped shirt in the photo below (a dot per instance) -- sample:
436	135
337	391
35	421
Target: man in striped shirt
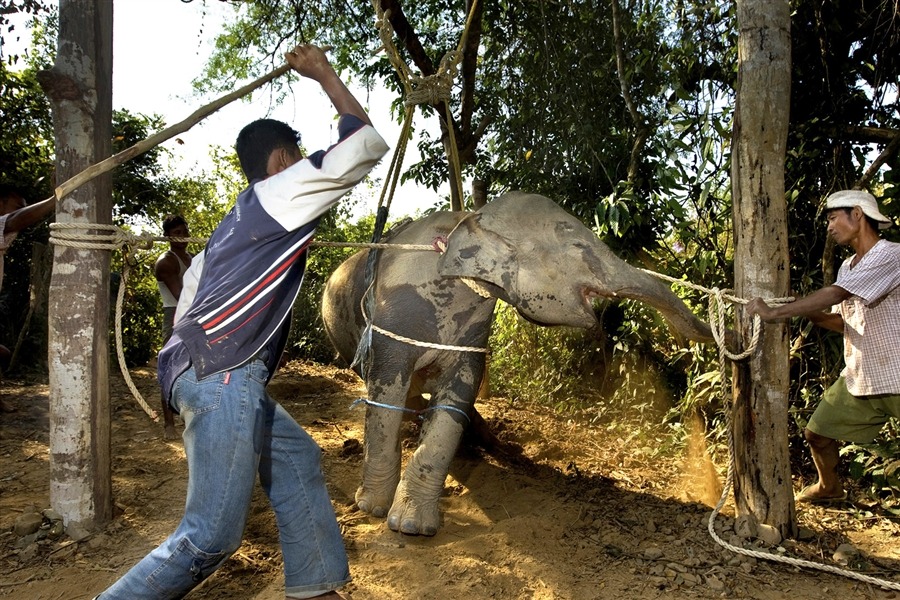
867	296
230	328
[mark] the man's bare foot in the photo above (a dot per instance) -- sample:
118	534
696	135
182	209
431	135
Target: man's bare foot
170	433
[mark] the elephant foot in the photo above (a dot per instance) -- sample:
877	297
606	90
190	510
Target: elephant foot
413	516
372	503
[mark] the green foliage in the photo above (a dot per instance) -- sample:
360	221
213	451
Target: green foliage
25	155
36	9
540	364
26	163
140	190
877	467
141	309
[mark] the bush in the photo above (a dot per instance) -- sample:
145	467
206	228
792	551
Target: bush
546	365
142	312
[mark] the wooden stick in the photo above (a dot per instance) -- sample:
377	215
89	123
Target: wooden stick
889	151
154	140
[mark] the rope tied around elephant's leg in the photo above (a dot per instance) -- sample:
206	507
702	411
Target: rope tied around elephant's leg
420	413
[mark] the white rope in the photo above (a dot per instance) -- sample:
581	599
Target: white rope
477	287
797	562
120	352
62	234
431	345
380	245
716	311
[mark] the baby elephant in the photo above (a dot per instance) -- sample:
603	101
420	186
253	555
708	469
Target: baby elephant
521	248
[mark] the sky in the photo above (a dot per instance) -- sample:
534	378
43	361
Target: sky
160	46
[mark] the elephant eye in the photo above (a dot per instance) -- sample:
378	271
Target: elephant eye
563	228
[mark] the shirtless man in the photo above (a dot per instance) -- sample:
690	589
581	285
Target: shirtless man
170	268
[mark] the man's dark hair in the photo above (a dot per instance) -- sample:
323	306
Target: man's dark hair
171	222
258	140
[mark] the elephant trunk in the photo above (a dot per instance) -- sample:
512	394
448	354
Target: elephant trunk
636	284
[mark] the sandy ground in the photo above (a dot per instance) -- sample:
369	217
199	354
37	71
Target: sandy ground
580	512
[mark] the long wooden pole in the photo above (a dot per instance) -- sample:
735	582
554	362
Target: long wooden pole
154	140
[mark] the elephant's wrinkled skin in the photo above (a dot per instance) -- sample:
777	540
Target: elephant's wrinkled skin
521	248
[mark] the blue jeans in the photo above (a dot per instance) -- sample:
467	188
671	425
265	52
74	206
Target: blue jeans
233	430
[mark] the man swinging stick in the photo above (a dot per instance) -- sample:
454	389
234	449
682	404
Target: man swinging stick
230	328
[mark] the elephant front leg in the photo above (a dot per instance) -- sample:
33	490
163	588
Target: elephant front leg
381	460
415	509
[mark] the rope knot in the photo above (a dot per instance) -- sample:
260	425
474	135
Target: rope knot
432	89
439	243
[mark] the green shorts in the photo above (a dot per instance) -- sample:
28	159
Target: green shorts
843	416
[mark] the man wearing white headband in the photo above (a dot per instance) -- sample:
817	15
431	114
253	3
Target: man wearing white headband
866	301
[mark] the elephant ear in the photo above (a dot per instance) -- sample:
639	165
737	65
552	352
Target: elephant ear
477	252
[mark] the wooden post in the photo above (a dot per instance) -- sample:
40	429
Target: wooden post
79	87
762	478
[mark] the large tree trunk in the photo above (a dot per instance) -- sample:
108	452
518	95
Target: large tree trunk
762	480
80	90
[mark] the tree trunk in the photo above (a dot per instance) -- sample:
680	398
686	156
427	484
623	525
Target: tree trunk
762	480
41	262
79	87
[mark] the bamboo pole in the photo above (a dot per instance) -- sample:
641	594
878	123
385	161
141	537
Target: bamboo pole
154	140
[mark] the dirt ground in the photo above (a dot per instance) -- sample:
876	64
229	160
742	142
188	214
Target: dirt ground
582	512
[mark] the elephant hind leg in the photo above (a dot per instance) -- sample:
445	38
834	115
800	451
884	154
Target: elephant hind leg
480	434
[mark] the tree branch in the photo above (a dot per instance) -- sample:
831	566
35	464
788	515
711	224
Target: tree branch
409	37
170	132
869	135
889	151
468	68
641	132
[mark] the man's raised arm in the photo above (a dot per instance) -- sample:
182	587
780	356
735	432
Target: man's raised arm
310	61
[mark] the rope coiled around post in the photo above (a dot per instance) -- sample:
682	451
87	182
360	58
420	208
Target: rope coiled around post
62	234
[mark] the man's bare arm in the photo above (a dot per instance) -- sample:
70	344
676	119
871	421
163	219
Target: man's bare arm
310	61
829	320
27	216
168	271
812	307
